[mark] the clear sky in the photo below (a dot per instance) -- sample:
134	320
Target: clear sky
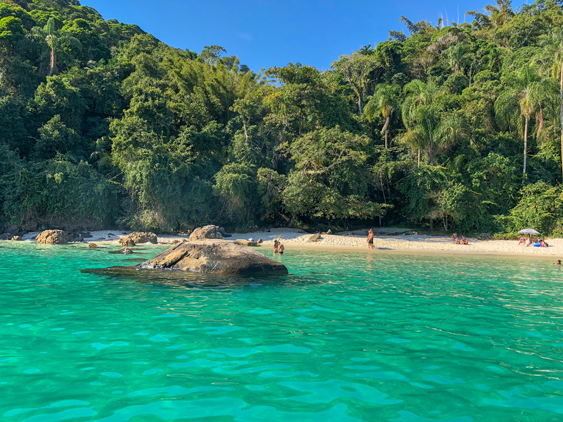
265	33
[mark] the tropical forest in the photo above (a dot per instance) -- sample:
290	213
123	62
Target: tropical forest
444	127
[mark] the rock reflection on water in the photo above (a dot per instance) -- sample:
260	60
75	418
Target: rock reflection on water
195	280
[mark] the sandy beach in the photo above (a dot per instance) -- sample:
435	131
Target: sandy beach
385	242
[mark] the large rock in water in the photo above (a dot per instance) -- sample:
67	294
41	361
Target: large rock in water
214	256
137	238
52	237
207	232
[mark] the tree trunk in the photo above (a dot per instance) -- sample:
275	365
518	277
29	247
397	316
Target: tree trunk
53	63
418	162
244	127
386	128
293	217
561	114
526	143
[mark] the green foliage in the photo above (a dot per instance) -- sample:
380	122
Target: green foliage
455	127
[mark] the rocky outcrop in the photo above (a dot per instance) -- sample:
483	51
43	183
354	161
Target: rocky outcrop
92	246
214	256
137	238
126	242
207	232
52	237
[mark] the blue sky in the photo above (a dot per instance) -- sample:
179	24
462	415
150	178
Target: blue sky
265	33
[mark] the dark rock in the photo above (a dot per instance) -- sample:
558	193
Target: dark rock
207	232
73	237
6	236
214	256
227	235
86	235
137	238
16	239
52	237
315	238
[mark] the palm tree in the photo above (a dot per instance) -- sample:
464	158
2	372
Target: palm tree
383	102
421	117
525	94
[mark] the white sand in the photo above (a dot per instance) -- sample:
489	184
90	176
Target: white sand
355	241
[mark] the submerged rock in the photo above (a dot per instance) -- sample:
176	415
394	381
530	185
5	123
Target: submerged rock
52	237
214	256
207	232
126	251
137	238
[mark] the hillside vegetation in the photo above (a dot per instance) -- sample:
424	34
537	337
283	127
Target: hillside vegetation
447	126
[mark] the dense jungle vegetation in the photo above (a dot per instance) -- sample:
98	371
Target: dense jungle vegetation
447	126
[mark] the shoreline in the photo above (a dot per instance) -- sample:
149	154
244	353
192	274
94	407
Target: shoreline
401	244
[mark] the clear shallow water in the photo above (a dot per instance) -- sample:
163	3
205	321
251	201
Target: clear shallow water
345	337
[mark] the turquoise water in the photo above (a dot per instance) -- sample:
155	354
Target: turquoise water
345	337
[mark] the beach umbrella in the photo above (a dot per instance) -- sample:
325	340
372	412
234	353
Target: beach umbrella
529	231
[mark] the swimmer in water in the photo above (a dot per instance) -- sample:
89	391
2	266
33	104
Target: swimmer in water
557	263
281	248
276	246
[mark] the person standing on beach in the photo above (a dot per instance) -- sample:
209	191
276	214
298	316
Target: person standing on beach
276	246
370	239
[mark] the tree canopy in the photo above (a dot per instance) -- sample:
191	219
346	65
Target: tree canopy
447	126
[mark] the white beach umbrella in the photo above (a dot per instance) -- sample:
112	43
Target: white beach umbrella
529	231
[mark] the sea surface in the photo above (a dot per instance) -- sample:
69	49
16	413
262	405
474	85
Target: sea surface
345	337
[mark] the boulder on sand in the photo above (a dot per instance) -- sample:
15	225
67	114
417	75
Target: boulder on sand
214	256
137	238
52	237
207	232
315	238
246	242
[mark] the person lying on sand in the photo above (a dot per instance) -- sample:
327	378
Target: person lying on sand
522	240
543	243
464	241
370	239
557	263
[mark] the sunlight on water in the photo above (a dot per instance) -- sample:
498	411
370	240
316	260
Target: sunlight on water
344	337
